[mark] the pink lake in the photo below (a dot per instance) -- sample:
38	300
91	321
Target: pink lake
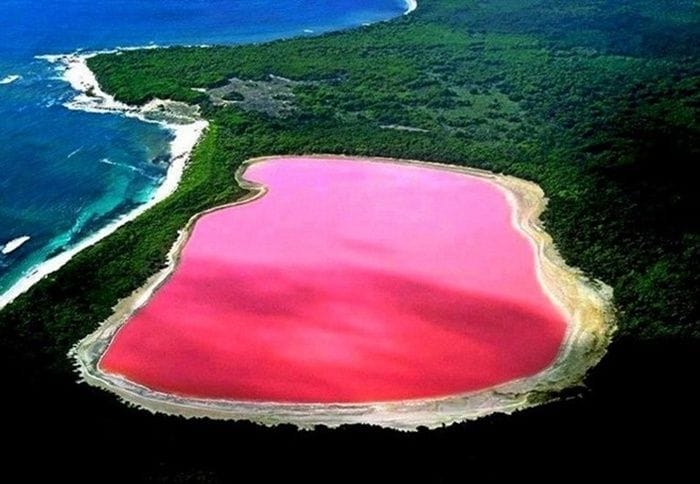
348	281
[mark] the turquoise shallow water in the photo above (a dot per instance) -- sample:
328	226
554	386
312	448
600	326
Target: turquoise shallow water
65	174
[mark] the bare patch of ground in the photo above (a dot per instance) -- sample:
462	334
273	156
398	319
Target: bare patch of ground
274	96
399	127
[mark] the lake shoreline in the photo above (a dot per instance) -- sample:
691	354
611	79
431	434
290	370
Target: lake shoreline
587	304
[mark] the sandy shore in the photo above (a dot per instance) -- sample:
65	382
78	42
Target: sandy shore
91	98
587	304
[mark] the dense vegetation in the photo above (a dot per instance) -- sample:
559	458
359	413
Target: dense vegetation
595	100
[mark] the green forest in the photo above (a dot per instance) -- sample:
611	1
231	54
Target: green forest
598	101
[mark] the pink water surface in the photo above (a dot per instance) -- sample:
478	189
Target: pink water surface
349	281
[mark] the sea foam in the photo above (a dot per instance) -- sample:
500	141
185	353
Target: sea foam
9	79
411	5
14	244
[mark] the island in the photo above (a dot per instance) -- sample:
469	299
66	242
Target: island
594	102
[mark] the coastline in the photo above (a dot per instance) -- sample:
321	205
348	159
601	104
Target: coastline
587	305
91	98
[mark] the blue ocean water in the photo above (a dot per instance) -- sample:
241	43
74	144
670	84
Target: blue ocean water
65	174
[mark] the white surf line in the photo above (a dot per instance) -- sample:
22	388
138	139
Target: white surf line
411	5
14	244
73	153
125	166
10	79
92	98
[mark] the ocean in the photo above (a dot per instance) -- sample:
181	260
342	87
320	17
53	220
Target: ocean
66	174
